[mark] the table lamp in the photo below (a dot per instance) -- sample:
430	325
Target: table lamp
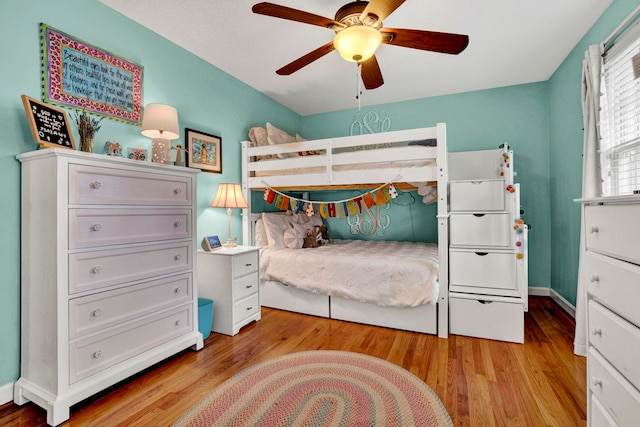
229	196
160	122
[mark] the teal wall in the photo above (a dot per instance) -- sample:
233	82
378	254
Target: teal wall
565	142
206	98
518	115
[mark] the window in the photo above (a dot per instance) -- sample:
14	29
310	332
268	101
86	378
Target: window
620	116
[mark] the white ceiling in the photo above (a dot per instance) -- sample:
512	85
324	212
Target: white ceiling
510	42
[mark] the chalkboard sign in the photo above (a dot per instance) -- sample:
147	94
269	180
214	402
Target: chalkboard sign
48	124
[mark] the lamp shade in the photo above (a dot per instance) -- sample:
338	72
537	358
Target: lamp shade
229	196
357	43
160	121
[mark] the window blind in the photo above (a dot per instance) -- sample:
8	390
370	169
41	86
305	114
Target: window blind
620	116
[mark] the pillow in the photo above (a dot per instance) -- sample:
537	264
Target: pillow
293	238
315	219
277	136
275	224
261	234
258	137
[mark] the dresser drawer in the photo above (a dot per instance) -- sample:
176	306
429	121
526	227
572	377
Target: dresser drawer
94	312
620	399
616	284
245	263
495	270
598	416
605	226
244	286
246	308
91	355
110	186
474	196
491	229
97	269
497	318
617	340
102	227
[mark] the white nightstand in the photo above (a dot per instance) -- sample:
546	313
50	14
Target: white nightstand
230	277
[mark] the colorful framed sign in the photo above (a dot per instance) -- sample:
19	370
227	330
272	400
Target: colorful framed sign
79	75
204	151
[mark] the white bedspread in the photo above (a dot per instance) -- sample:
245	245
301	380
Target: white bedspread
399	274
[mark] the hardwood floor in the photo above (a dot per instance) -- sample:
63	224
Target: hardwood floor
481	382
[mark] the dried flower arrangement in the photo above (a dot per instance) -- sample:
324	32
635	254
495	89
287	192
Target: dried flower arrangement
87	128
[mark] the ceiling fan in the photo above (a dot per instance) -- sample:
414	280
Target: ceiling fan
359	32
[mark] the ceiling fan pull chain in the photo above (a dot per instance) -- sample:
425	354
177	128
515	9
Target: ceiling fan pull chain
358	83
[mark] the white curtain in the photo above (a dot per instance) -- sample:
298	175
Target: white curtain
591	67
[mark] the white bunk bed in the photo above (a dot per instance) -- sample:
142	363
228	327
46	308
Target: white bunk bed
349	162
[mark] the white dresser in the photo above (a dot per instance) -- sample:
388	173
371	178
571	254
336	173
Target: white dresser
487	247
230	277
612	281
107	273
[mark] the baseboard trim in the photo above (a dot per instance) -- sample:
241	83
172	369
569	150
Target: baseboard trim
539	291
566	305
6	393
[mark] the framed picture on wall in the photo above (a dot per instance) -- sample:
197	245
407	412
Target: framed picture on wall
204	151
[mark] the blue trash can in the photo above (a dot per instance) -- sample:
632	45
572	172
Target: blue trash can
205	316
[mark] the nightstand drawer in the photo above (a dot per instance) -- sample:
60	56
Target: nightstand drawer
474	196
620	399
246	308
616	339
245	263
491	229
111	186
94	312
614	283
605	226
245	286
101	227
92	355
94	270
496	270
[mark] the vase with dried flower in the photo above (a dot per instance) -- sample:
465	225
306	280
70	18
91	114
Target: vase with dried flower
87	129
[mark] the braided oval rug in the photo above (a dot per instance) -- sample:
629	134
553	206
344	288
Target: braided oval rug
320	388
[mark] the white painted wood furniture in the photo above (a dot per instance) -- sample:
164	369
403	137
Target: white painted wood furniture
487	255
107	273
612	282
230	277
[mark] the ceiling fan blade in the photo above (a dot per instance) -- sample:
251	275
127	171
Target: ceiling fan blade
425	40
380	8
305	60
371	74
284	12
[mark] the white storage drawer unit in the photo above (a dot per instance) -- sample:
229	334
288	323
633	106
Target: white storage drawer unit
611	277
107	273
230	277
483	269
477	196
481	230
492	317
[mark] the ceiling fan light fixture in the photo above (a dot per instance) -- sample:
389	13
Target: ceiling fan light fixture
357	43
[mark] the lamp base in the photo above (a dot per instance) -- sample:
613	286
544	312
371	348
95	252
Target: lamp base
229	244
160	150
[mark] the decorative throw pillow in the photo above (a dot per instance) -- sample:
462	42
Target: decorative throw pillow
293	238
258	137
275	224
260	234
277	136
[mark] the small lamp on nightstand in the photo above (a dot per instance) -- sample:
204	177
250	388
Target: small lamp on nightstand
160	122
229	196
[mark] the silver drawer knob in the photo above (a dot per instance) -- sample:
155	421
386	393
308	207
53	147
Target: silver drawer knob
597	331
97	312
178	290
95	185
596	382
177	224
178	322
97	354
177	191
594	229
595	278
96	270
96	227
177	257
